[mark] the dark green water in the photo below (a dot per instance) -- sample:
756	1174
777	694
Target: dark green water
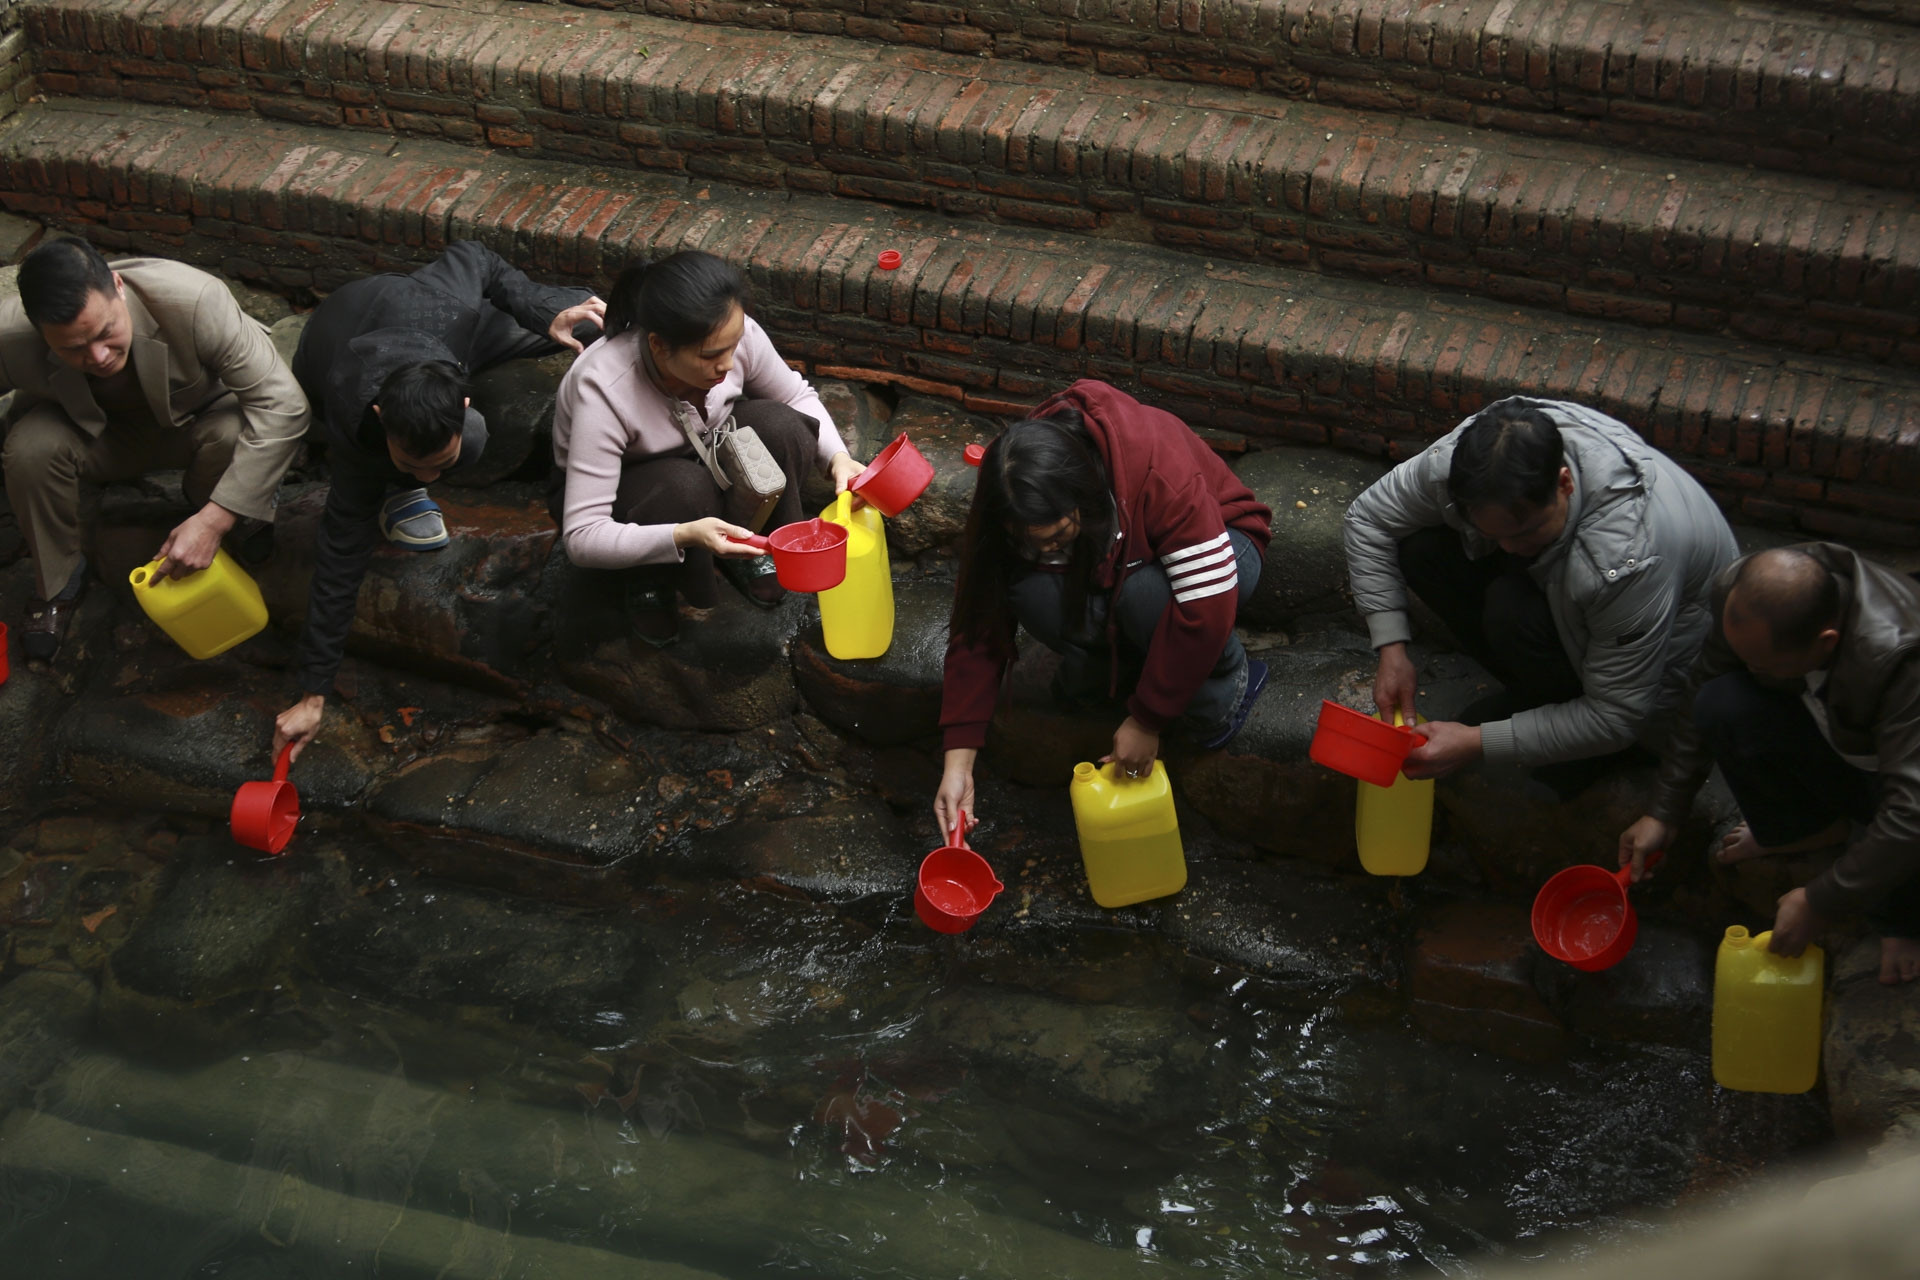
324	1066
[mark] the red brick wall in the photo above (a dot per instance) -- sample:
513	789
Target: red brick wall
1587	232
1733	86
989	319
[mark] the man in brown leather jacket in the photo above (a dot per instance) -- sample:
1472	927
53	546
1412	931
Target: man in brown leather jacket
1807	695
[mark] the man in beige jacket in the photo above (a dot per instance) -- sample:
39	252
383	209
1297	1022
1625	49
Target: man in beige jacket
120	371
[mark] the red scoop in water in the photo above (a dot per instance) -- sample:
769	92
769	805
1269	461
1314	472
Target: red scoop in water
955	884
1582	916
265	813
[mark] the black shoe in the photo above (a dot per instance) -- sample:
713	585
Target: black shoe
755	579
652	610
48	620
1256	681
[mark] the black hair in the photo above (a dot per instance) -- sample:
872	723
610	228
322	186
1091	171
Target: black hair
422	406
1792	592
1508	456
57	278
1035	473
681	298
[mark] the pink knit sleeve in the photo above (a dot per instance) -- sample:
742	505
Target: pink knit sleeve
765	376
596	447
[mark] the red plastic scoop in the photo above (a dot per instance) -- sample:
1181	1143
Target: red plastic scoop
1582	916
1359	746
955	884
808	555
265	813
897	475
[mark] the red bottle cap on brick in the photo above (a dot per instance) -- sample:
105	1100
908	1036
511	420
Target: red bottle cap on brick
973	453
890	260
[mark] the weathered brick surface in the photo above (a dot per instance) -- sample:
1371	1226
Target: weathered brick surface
1786	260
986	316
1768	85
18	84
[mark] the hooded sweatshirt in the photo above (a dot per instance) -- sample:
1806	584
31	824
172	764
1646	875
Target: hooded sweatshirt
1174	500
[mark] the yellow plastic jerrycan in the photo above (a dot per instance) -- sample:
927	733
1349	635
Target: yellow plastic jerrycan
1766	1016
206	613
857	615
1129	836
1394	825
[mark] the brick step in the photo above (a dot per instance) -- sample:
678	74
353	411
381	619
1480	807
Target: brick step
1902	11
1804	262
1762	84
991	317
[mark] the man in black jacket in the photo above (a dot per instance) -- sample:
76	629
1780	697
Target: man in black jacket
385	362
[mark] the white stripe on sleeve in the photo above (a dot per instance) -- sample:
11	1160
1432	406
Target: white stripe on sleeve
1204	565
1174	557
1212	589
1191	580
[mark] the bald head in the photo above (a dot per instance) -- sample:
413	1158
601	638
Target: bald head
1783	612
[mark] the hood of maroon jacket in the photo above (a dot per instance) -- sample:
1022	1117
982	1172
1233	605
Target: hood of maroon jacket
1144	448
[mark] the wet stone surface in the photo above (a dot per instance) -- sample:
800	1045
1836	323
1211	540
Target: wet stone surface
1872	1046
1660	993
1309	491
1290	924
472	611
223	917
941	432
1128	1060
1472	975
43	1015
726	672
551	814
893	698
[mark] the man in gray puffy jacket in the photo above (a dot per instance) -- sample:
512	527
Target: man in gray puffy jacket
1568	557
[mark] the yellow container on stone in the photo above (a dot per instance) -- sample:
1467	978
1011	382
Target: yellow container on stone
1129	835
857	616
206	613
1766	1016
1393	825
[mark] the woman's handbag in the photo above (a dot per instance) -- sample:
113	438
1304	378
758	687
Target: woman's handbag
740	463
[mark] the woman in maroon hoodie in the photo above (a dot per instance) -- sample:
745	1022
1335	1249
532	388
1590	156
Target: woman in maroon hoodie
1121	542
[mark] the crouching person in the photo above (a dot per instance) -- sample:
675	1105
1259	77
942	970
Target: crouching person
119	371
1568	557
681	358
1807	695
1119	540
386	361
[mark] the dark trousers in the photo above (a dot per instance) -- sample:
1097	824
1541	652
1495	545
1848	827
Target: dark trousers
672	488
1497	613
1501	619
1039	602
1789	780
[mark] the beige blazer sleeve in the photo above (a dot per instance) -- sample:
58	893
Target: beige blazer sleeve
232	348
212	348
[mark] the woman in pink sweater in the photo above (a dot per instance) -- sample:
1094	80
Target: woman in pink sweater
679	348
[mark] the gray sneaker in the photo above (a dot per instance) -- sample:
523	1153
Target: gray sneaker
411	519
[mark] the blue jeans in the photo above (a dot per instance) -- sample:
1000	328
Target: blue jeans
1038	599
